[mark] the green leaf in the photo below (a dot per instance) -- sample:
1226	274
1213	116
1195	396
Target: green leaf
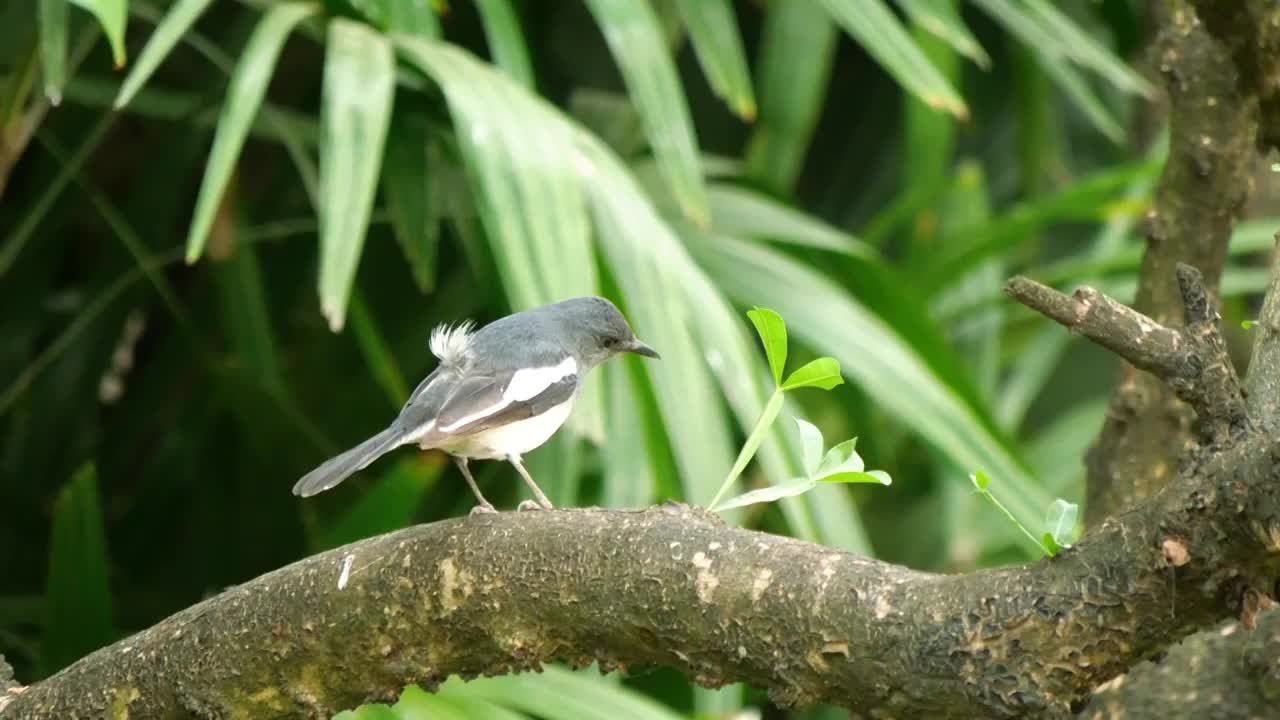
180	17
1248	324
713	30
873	477
112	16
1085	49
942	18
878	30
413	202
359	83
77	596
53	48
821	373
635	39
412	17
369	712
811	443
557	694
506	40
1062	522
417	704
796	51
743	212
773	335
767	494
1050	545
842	457
980	480
244	97
896	379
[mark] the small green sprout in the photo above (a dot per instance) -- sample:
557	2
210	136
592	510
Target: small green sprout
1061	520
840	464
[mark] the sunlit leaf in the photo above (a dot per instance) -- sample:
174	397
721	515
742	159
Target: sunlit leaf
821	373
636	41
811	442
506	40
878	30
244	97
180	17
112	16
768	494
713	31
773	335
942	18
743	212
1062	522
359	82
842	457
872	477
556	693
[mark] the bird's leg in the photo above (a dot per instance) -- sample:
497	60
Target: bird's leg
484	506
543	502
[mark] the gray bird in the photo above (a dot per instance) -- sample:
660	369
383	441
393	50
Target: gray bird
498	392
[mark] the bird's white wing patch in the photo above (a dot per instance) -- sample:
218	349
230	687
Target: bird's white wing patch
529	382
525	384
450	343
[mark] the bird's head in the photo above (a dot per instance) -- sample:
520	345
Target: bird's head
600	331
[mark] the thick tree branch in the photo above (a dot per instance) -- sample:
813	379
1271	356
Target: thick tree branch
1214	121
674	586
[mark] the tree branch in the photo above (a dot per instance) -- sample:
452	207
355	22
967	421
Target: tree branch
674	586
1214	121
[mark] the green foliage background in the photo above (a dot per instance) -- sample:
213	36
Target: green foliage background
345	175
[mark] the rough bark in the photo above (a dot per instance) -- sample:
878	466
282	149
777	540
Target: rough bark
1220	60
674	586
1214	93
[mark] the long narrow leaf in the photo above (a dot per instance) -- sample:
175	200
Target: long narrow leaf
942	18
713	30
244	97
506	40
413	200
78	597
112	16
794	66
636	41
53	48
359	82
181	16
877	29
558	694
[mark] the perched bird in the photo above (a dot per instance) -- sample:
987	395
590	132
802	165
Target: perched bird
498	392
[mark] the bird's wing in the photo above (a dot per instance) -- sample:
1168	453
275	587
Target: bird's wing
479	402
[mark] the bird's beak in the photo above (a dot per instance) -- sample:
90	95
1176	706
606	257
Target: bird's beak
640	348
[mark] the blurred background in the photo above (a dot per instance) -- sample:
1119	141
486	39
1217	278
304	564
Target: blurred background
227	229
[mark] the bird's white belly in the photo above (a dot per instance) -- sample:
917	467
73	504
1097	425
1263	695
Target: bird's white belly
515	438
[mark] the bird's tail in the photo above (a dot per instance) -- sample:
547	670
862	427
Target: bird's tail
336	469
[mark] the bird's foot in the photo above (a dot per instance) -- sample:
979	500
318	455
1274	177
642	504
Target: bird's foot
526	505
485	509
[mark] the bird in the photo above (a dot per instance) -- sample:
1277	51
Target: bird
497	392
